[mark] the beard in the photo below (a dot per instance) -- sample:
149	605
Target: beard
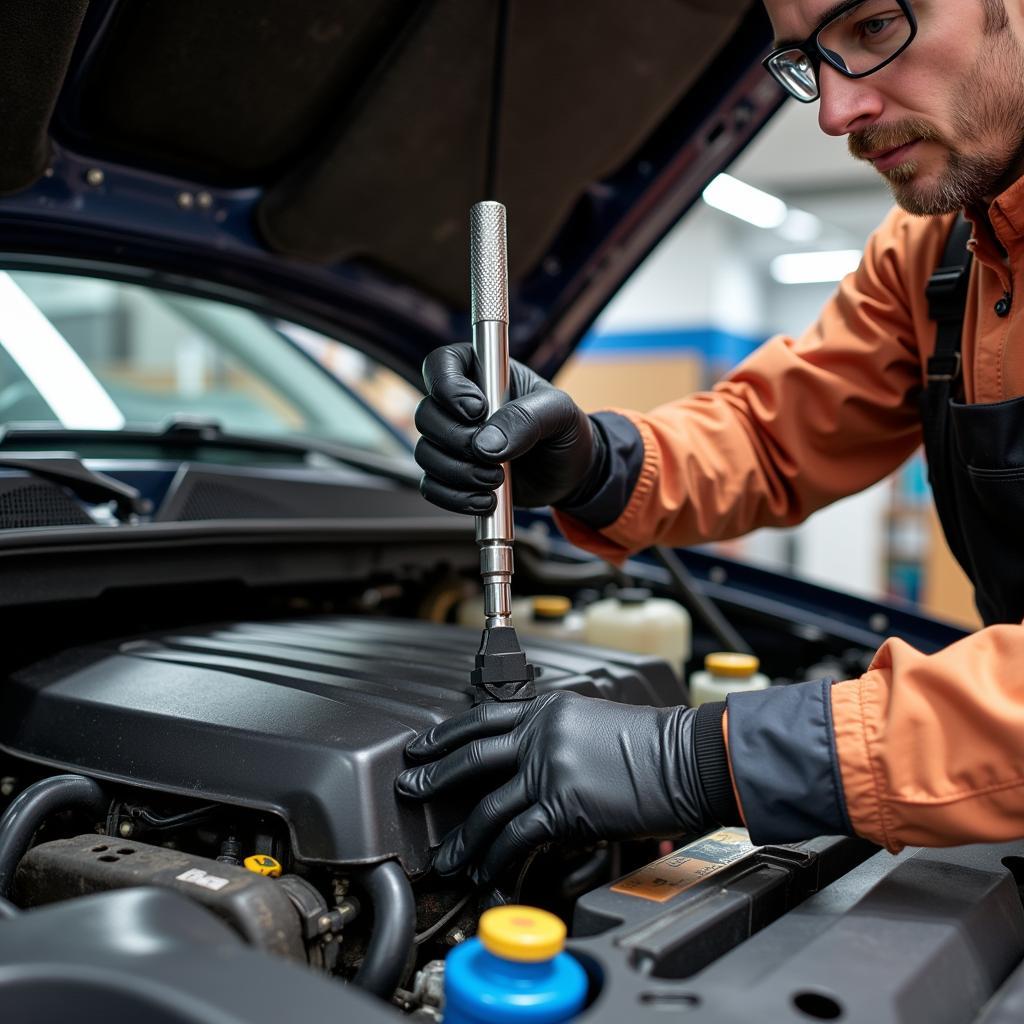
988	111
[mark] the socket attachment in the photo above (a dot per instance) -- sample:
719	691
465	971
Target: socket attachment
502	671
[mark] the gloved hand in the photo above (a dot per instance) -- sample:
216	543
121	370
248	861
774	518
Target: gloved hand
556	451
564	766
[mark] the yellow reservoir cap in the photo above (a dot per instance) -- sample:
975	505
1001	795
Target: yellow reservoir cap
523	934
551	606
734	666
263	865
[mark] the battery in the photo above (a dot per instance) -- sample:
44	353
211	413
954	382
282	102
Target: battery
683	911
724	933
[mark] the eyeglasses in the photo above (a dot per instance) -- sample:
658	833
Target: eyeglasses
857	39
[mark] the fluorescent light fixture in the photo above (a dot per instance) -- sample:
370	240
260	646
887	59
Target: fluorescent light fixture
814	267
738	199
52	366
800	226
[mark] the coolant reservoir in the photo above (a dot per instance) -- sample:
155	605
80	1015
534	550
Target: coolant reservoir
552	616
726	673
516	970
635	621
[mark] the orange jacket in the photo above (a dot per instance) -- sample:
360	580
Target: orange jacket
930	748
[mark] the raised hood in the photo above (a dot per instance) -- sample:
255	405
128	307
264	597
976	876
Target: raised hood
319	157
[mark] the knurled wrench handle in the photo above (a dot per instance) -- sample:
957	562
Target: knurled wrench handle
488	261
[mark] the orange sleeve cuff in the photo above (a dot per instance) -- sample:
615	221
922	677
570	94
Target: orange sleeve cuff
856	705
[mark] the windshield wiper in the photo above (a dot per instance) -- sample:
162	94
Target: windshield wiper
199	432
68	470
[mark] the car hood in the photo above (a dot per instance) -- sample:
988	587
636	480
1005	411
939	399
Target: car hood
319	158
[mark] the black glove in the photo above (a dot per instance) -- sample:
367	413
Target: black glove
558	454
572	767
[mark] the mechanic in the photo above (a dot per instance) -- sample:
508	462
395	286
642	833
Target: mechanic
922	749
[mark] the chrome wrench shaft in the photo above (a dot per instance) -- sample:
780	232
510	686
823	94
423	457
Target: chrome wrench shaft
502	671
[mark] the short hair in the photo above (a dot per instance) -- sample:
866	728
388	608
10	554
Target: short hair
996	18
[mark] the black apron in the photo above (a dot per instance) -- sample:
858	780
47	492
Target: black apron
975	453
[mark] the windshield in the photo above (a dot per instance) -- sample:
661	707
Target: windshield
87	353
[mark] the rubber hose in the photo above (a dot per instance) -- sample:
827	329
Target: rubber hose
394	929
589	572
7	910
588	875
32	807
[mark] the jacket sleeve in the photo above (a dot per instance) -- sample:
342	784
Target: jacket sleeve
921	750
930	746
799	424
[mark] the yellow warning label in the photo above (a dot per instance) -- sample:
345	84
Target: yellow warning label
664	879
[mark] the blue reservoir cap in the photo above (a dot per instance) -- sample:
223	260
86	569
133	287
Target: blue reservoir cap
530	983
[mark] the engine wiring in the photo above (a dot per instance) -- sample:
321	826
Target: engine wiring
449	915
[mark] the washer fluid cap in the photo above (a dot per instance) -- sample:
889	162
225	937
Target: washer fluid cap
735	666
521	934
633	595
551	606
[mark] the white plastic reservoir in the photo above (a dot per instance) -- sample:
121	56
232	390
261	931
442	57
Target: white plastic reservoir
552	616
726	673
635	621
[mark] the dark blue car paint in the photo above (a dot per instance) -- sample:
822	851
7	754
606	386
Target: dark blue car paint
136	225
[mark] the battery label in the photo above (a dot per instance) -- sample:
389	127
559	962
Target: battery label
664	879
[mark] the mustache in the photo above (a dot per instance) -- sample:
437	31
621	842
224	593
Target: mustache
882	137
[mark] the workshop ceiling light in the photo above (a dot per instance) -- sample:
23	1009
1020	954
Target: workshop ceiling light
738	199
814	267
801	227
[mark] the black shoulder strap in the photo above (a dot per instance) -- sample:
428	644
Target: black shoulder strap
947	300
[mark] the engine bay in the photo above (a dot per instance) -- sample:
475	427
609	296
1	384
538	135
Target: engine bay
251	765
244	764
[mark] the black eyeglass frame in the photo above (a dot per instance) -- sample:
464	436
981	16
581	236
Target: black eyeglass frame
816	53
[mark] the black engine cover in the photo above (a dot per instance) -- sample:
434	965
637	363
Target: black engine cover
304	718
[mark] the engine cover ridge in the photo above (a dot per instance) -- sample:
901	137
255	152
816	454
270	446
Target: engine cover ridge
304	718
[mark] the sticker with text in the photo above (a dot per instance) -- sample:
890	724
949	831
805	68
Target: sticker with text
666	878
196	876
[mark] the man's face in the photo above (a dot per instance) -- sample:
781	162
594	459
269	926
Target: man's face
944	122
